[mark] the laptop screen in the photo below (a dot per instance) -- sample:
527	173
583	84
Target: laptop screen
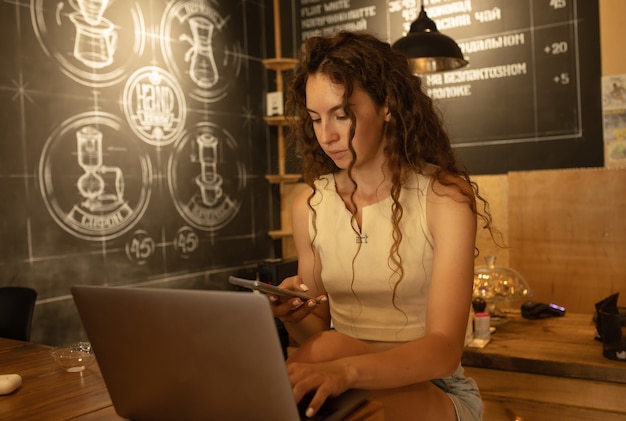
188	354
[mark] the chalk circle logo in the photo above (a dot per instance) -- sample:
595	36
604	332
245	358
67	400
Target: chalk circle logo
140	247
93	42
95	182
206	178
197	48
154	105
186	242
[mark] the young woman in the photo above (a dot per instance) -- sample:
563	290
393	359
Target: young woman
385	235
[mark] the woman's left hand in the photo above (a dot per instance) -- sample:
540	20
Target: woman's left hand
326	379
319	365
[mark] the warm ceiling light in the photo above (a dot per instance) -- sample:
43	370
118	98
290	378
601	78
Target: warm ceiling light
429	50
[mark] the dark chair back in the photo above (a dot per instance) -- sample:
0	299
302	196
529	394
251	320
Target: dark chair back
17	305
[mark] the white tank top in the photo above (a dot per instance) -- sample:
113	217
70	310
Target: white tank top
361	303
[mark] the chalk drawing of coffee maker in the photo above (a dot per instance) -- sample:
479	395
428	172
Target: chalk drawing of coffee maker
208	181
202	68
96	38
102	187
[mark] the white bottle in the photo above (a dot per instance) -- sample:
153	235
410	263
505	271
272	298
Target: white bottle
482	323
469	330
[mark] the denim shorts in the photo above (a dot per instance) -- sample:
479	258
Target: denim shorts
464	394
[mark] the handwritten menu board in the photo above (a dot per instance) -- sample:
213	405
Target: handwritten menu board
530	97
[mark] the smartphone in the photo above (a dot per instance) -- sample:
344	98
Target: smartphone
269	289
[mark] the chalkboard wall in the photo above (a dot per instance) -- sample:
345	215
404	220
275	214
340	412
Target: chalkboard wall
133	147
530	97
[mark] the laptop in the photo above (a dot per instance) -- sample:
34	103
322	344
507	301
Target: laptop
168	354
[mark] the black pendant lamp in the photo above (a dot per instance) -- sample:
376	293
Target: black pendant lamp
428	50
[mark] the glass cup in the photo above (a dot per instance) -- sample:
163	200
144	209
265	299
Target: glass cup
613	326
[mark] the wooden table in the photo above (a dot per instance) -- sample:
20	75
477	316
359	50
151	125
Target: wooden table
47	391
50	393
547	369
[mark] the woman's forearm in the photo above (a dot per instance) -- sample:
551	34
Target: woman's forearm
422	360
306	328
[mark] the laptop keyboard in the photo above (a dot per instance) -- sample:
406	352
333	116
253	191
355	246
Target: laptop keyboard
326	410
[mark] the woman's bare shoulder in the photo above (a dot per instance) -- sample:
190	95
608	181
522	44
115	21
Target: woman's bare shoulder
452	187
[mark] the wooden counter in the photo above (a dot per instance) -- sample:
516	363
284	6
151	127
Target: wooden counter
550	369
50	393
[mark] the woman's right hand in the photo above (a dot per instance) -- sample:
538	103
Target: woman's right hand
294	309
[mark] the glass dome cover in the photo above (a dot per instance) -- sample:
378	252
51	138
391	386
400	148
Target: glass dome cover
499	283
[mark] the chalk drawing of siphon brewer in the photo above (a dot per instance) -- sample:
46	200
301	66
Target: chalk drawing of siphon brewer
209	181
96	38
202	68
102	187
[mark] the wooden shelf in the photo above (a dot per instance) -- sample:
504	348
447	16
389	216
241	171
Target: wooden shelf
286	182
278	120
280	64
283	178
279	234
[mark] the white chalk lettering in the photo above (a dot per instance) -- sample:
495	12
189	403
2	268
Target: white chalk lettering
449	9
504	41
449	91
453	22
103	222
339	18
488	15
311	10
333	6
486	73
156	99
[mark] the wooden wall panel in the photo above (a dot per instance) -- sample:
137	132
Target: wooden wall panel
612	15
495	189
567	233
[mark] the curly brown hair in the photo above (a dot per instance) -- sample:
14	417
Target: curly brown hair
416	140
